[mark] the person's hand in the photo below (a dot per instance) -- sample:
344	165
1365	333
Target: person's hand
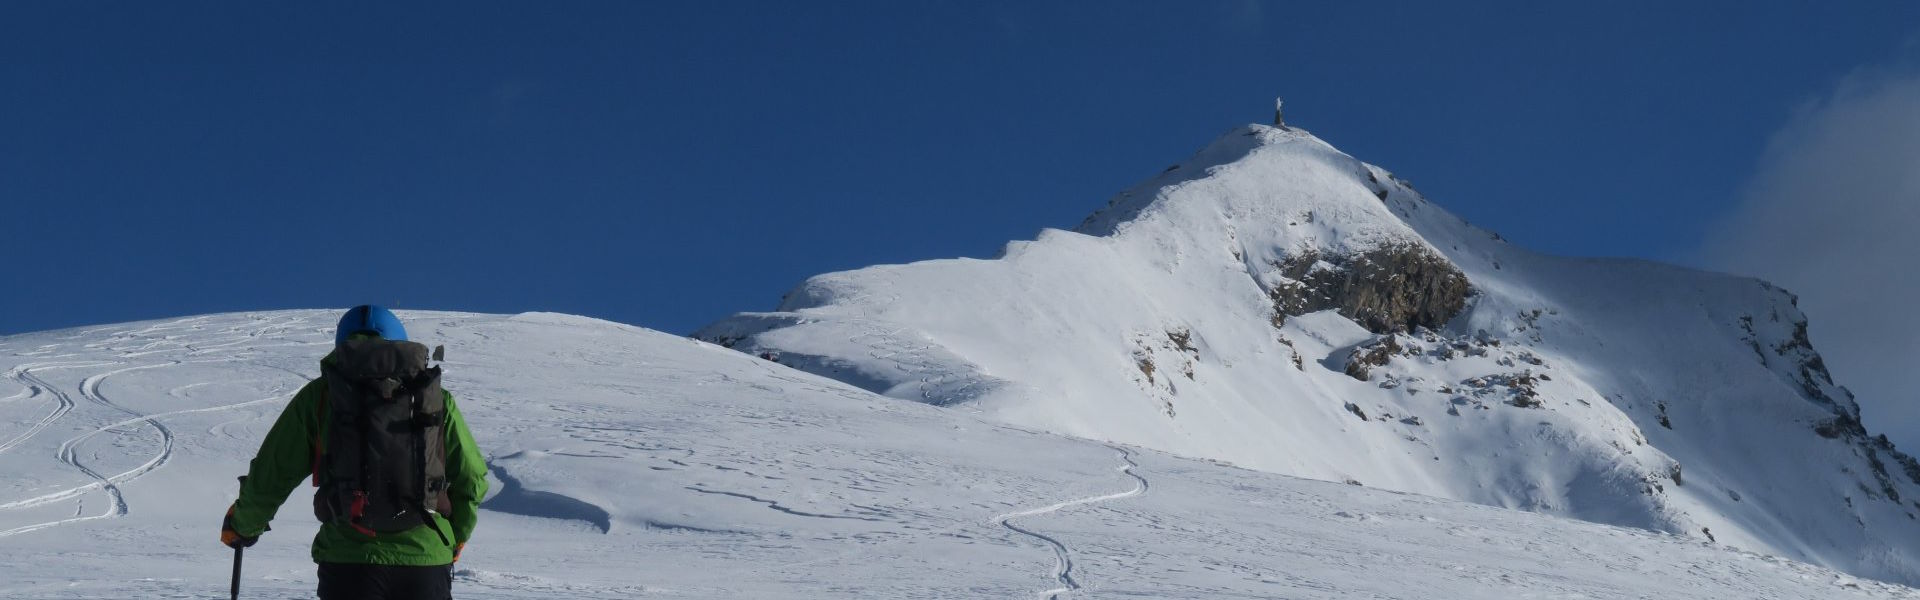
456	550
232	538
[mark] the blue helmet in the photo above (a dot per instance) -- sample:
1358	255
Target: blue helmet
368	318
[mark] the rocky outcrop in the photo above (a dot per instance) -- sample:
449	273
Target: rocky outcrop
1391	289
1795	359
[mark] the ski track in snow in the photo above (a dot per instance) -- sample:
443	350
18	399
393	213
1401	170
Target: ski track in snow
112	482
1063	554
775	505
116	504
23	374
89	388
63	404
68	453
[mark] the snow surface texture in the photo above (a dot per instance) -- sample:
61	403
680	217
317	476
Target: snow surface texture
635	464
1199	314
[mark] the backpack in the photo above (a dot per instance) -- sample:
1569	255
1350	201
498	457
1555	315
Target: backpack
382	465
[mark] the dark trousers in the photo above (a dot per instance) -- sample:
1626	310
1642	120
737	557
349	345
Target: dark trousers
341	581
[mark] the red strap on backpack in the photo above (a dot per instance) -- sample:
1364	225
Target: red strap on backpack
354	513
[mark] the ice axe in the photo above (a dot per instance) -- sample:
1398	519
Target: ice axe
237	550
235	590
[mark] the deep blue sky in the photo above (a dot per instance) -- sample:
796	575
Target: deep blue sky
665	164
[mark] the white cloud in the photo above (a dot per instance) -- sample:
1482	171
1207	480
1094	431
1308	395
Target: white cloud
1833	214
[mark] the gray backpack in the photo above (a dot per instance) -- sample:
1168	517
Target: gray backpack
382	466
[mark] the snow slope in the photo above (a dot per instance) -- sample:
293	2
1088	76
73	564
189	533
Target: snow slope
1274	303
635	464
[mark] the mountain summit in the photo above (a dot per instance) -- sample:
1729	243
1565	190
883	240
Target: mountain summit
1274	303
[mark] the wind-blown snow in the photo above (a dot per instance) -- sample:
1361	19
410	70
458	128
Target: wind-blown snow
634	464
1613	391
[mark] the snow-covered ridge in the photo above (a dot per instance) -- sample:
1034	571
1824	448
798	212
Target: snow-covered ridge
629	463
1280	305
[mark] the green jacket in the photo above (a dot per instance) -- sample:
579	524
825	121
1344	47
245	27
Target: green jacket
286	459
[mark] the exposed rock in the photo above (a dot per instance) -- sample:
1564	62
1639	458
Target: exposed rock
1390	289
1840	426
1362	360
1182	340
1881	476
1907	465
1519	388
1814	377
1526	398
1298	364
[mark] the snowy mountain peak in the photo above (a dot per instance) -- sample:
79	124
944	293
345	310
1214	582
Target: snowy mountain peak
1275	303
1314	228
1255	154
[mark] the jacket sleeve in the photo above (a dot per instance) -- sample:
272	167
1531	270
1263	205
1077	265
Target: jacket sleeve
285	458
466	474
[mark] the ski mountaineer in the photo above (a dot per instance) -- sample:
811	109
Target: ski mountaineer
399	477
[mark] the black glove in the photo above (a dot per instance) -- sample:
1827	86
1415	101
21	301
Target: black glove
232	538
